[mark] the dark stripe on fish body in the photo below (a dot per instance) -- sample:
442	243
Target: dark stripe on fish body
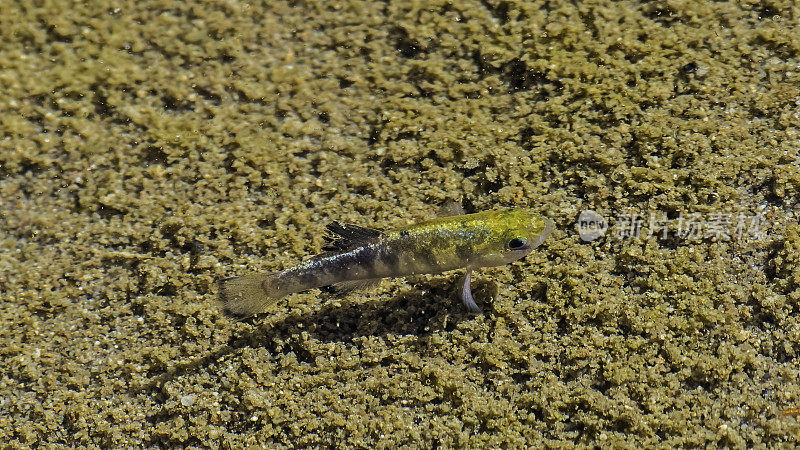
429	256
464	252
353	264
316	272
389	259
365	258
310	276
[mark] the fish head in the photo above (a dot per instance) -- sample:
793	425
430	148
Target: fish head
511	235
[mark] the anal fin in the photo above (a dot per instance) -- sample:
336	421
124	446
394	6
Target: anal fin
345	287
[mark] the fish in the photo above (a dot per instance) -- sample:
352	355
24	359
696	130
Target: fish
356	256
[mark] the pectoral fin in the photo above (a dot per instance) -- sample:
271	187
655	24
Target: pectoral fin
450	208
466	294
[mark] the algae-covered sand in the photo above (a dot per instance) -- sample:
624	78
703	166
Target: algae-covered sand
150	148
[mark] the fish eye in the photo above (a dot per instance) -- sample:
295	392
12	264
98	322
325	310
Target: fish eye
517	243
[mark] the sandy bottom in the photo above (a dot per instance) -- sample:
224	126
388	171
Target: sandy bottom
150	148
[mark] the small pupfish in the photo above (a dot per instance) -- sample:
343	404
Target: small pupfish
355	256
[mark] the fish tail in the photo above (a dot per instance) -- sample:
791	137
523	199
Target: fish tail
250	294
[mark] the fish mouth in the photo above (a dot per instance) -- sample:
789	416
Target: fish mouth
548	228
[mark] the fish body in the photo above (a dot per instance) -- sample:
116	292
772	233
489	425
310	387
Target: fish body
357	254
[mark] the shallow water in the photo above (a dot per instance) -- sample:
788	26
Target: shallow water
151	148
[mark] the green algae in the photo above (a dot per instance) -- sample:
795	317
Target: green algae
149	148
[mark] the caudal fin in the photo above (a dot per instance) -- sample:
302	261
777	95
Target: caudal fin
248	295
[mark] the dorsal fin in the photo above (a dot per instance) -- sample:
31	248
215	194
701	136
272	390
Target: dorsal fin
342	236
450	208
